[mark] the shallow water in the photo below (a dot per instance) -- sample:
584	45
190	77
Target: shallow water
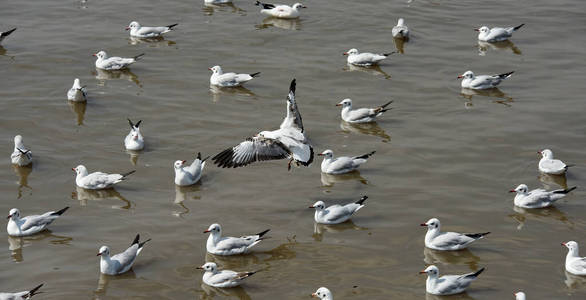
441	152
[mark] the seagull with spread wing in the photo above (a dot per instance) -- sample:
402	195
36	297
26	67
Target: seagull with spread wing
288	141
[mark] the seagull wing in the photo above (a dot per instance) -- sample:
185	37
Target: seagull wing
293	118
251	150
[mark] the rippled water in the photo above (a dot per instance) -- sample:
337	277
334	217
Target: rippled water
441	152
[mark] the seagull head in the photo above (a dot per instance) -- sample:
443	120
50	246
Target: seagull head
104	251
482	29
466	75
298	5
133	25
13	213
431	271
101	55
327	153
432	223
322	293
135	134
519	296
216	69
521	189
572	246
76	83
214	229
319	205
400	22
352	51
179	164
546	153
17	140
209	267
345	103
80	170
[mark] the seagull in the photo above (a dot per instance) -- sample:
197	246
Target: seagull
97	180
519	296
447	284
361	115
21	295
77	92
288	141
136	30
574	263
219	245
121	262
548	164
336	214
5	34
365	59
342	164
496	34
323	293
113	63
538	198
134	140
401	30
30	225
21	155
217	1
189	175
482	82
445	241
224	278
219	78
280	10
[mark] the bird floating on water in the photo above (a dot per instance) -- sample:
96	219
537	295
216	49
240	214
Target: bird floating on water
482	82
136	30
32	224
342	164
114	63
121	262
361	115
496	34
280	10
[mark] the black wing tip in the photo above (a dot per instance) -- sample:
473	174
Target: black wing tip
517	27
477	235
250	273
34	290
61	211
361	201
254	74
386	104
138	56
138	123
130	122
475	274
293	85
140	245
390	53
506	75
565	191
260	234
136	239
124	175
173	25
7	33
367	155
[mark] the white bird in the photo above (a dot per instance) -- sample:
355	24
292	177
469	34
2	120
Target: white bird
21	295
136	30
30	225
538	198
77	92
134	140
113	63
482	82
400	30
219	245
288	141
280	10
496	34
549	165
20	155
447	284
574	263
189	175
219	78
336	214
365	59
323	293
121	262
97	180
520	296
5	34
222	279
361	115
342	164
217	1
445	241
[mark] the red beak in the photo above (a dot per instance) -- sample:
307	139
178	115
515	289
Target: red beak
422	272
127	28
314	295
210	69
338	104
183	161
422	224
206	231
99	254
73	169
538	152
476	29
460	76
95	54
512	191
563	244
320	154
345	53
200	268
309	207
8	217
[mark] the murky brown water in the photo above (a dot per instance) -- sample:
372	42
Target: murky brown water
439	153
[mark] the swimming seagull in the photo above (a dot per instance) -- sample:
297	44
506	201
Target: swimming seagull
189	175
30	225
5	34
219	78
136	30
342	164
549	165
21	155
97	180
520	296
217	1
113	63
481	82
538	198
365	59
222	279
21	295
280	10
361	115
288	141
447	284
219	245
496	34
77	93
121	262
400	30
336	214
323	293
134	140
445	241
574	263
